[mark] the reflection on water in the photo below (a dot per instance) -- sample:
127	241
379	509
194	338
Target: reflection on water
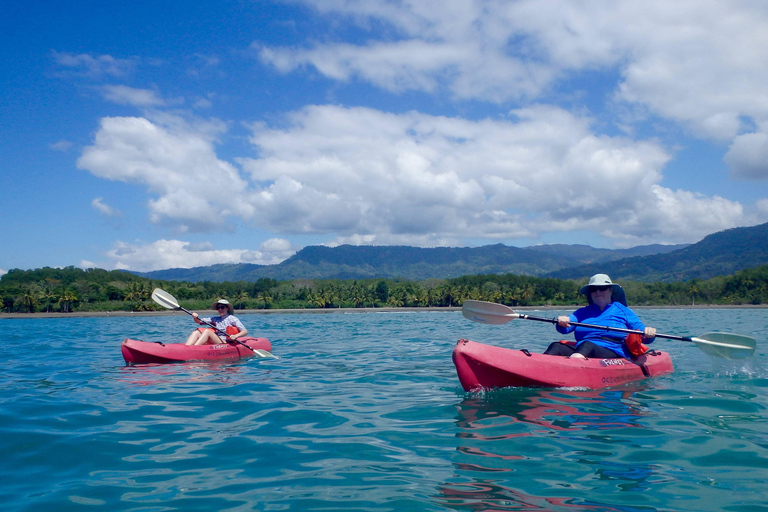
487	496
151	374
554	409
556	443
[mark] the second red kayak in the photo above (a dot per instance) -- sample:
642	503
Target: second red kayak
482	366
139	352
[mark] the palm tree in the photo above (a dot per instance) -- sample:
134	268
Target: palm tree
136	292
48	295
449	295
66	298
693	291
357	295
528	292
266	297
318	299
29	301
240	297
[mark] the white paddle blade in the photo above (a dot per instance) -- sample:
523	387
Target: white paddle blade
729	346
164	298
487	312
265	353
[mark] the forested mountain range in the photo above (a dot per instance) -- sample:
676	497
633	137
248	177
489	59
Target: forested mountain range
721	253
413	263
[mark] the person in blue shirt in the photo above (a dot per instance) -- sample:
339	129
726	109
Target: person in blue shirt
608	307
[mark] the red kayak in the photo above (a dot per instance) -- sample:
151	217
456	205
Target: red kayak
483	366
138	352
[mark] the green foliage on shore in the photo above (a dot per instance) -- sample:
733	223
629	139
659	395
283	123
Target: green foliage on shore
73	289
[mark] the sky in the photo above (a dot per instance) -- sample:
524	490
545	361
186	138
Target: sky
147	135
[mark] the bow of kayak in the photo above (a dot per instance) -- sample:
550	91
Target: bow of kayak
482	366
140	352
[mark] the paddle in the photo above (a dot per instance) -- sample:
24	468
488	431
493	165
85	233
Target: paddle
168	301
719	344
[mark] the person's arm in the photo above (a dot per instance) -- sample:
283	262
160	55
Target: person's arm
634	322
240	334
243	330
564	324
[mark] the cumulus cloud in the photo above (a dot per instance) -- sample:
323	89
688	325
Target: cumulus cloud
362	174
427	180
748	156
145	257
701	64
177	163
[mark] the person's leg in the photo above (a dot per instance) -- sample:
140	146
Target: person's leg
208	336
591	350
559	349
193	337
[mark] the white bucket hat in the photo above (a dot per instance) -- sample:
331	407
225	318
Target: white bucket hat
603	280
230	309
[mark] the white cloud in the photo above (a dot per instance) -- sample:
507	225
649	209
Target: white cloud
362	174
62	145
177	163
703	64
425	180
748	156
162	254
105	209
123	95
88	65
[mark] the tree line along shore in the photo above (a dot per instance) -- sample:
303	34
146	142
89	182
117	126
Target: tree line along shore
74	290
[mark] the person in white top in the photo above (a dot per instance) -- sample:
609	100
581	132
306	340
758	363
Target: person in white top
226	322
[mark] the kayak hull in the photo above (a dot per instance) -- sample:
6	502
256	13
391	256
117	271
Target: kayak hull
140	352
482	366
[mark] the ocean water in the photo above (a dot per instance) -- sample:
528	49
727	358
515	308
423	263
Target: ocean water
364	412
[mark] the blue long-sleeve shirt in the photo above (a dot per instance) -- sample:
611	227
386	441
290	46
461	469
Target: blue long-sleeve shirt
614	315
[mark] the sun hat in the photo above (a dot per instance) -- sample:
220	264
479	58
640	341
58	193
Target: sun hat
230	309
603	280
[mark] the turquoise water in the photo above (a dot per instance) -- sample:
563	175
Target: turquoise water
364	412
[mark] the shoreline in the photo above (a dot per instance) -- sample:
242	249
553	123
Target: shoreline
106	314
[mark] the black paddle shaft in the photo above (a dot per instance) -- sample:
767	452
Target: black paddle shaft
603	327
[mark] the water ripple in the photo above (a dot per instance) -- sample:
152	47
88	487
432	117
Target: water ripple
364	412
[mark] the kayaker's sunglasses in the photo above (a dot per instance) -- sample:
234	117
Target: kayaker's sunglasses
599	288
221	306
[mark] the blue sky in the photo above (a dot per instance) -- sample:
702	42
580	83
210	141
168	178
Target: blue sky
149	135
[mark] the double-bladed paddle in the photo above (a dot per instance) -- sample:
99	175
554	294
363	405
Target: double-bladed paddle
168	301
719	344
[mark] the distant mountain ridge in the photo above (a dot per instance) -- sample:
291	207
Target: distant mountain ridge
414	263
721	253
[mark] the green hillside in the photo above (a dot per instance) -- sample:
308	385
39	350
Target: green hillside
719	254
404	262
